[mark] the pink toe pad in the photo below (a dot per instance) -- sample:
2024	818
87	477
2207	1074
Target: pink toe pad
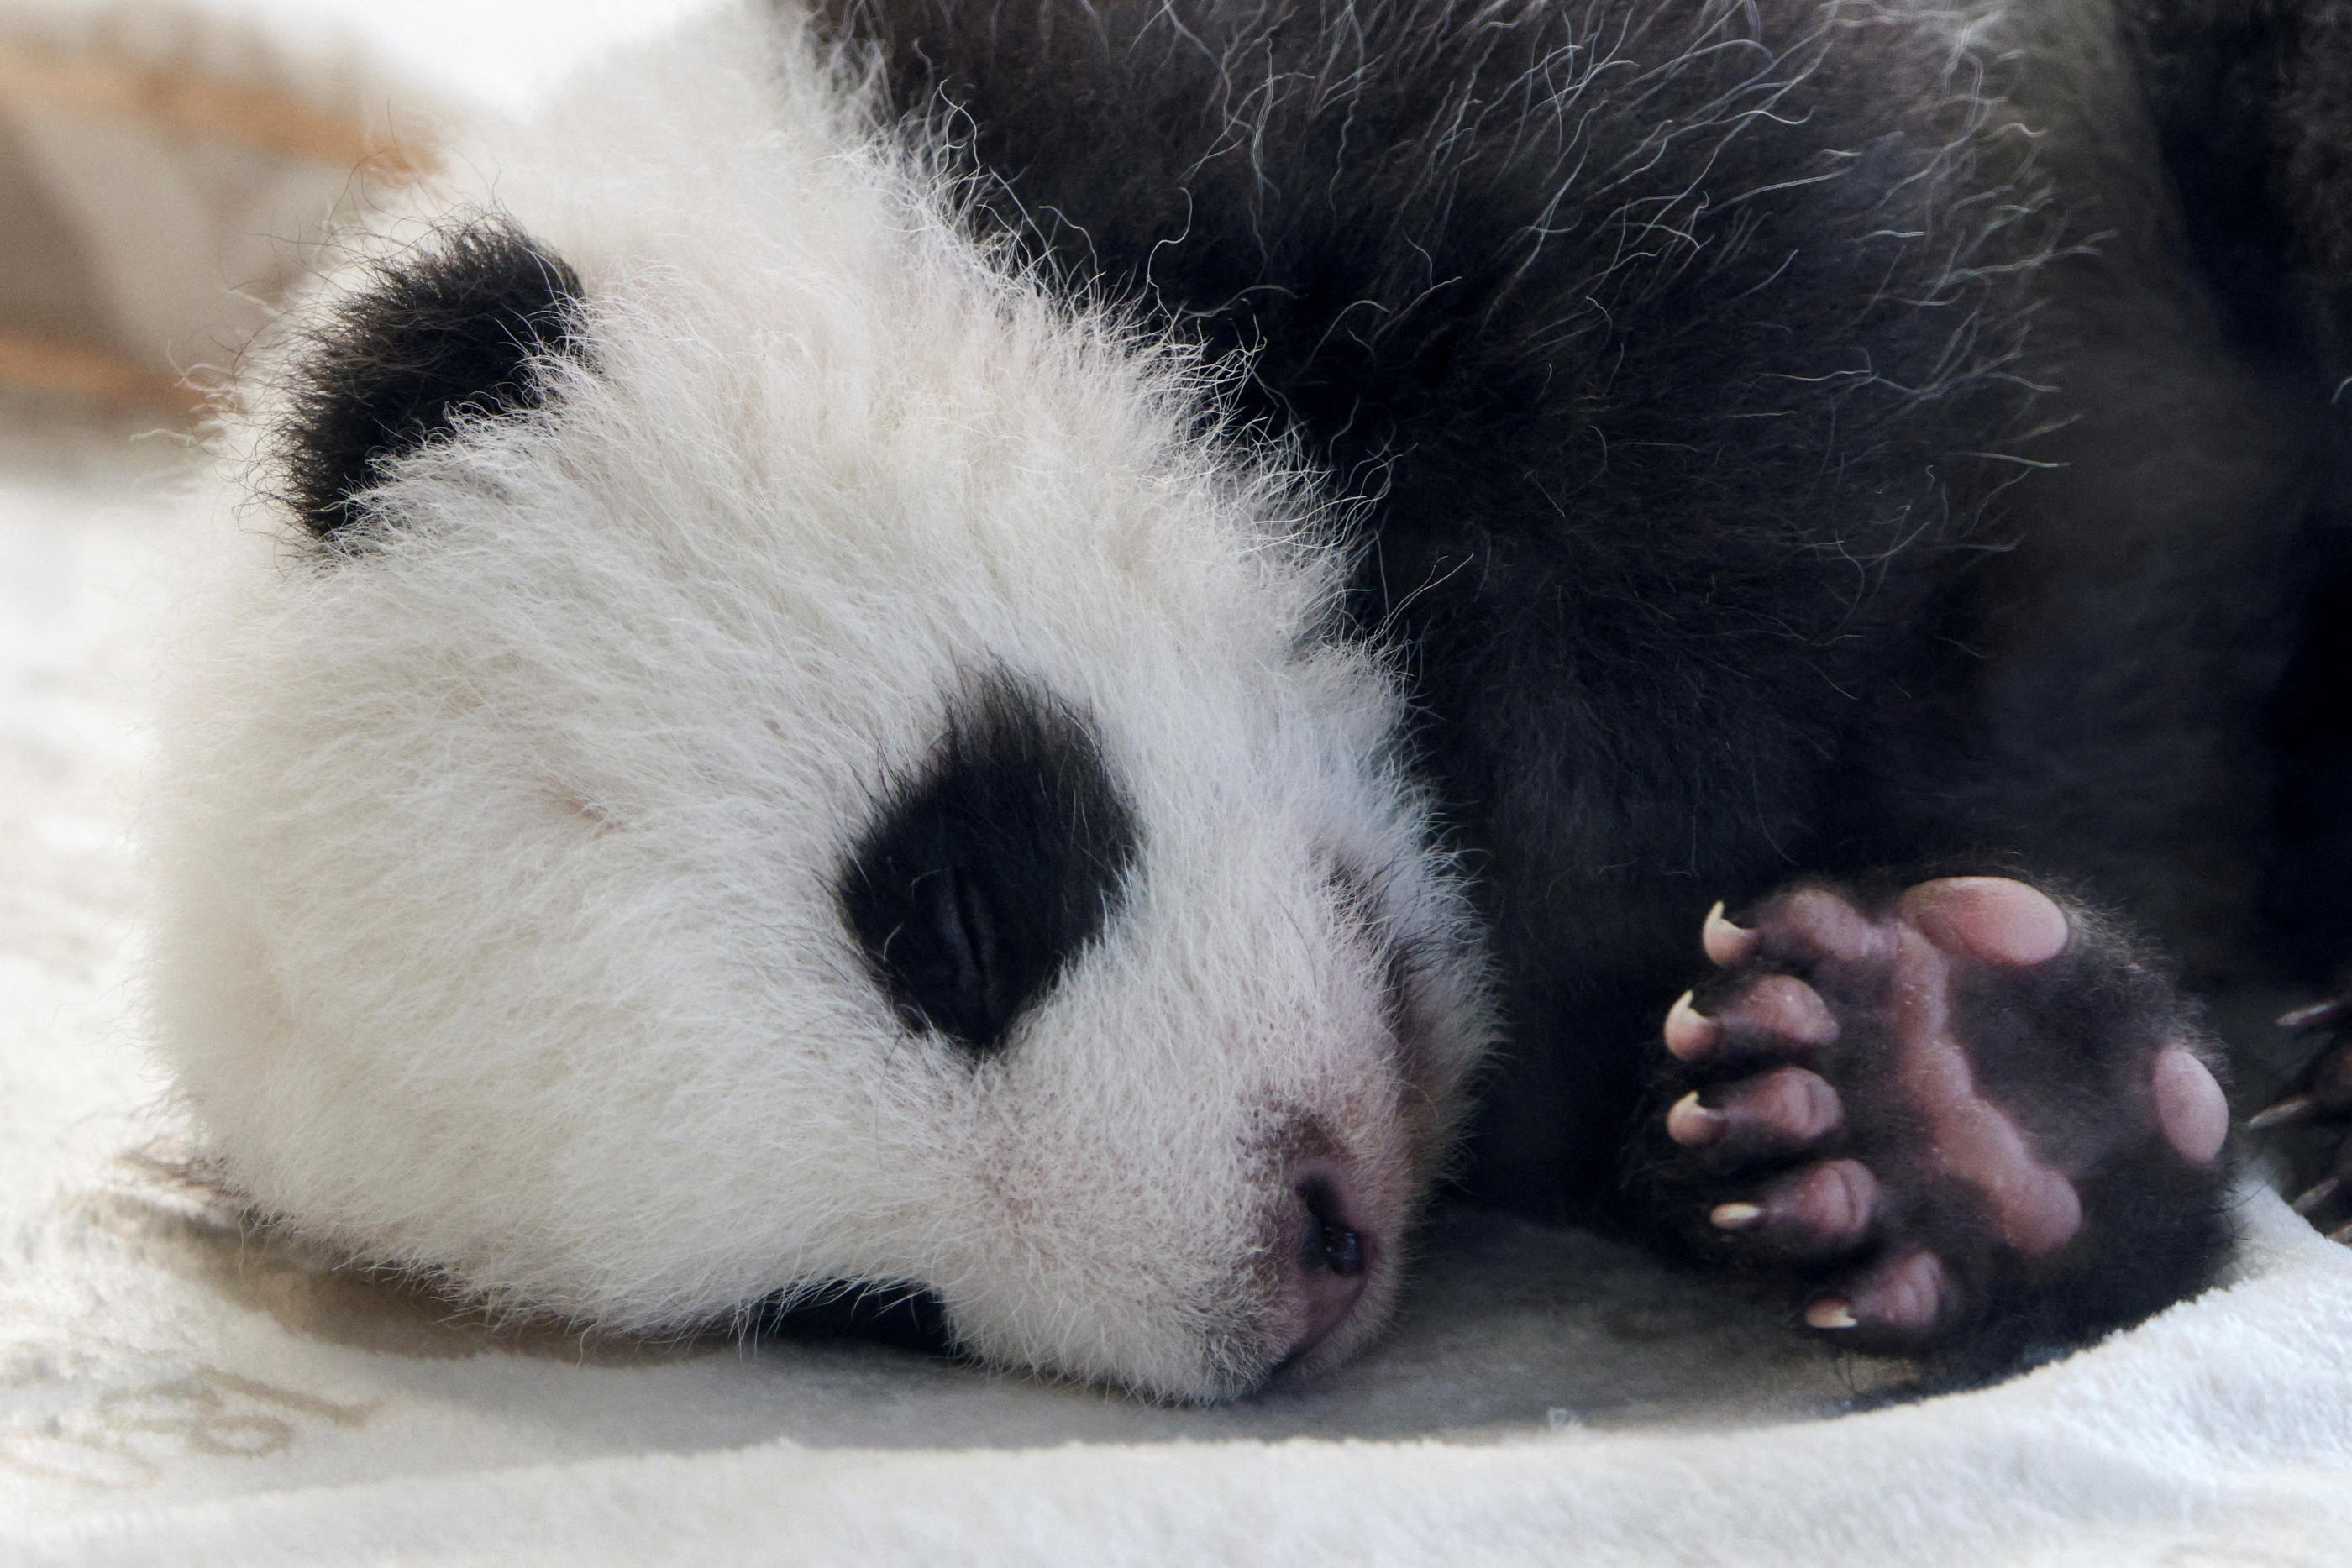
1905	1294
2188	1103
1991	917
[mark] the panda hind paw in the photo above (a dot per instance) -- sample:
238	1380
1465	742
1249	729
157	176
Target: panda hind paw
1960	1119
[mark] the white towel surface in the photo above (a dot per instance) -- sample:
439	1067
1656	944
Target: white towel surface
176	1390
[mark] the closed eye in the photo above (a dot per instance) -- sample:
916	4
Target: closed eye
965	960
988	873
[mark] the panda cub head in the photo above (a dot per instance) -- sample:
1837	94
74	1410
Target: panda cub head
760	752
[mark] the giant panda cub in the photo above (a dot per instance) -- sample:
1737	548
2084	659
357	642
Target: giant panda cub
930	647
753	749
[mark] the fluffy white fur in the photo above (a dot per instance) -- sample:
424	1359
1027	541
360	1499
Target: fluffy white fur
501	939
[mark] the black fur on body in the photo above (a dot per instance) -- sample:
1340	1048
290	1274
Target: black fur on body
1651	510
1797	436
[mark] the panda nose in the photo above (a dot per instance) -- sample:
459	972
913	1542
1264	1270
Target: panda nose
1330	1245
1327	1253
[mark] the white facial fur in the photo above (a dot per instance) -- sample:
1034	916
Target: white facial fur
503	937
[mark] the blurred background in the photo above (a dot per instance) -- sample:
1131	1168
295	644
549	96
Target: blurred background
165	165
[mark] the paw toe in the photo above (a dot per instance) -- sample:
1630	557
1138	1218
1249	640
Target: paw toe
1784	1109
1904	1297
1780	1011
1691	1035
1772	1113
1727	946
1774	1013
1813	925
1816	1212
1691	1123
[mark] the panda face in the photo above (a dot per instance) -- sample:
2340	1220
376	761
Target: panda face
768	753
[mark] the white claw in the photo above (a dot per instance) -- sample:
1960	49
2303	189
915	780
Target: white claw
1832	1313
1726	944
1688	1122
2319	1192
1689	1033
1734	1216
2294	1108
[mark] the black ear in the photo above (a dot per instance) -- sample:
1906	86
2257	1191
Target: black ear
444	331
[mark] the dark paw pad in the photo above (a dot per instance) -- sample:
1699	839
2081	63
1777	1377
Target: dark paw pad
1958	1114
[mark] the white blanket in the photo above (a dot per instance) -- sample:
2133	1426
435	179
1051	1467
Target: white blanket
175	1390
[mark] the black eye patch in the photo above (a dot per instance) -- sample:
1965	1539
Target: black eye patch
993	868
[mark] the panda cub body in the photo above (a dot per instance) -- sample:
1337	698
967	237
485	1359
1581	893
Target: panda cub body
924	646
